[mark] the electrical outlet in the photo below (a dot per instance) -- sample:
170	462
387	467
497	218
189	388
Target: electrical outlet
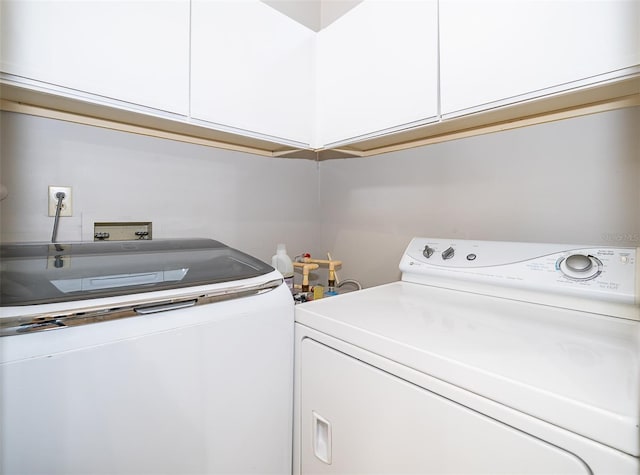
66	210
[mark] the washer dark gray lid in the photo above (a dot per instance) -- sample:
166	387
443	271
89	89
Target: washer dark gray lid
45	273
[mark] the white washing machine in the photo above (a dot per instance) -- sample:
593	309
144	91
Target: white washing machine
143	357
487	357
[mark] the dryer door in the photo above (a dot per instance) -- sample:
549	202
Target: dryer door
359	419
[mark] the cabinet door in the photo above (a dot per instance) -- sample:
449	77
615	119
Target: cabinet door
359	419
505	50
251	69
377	69
134	51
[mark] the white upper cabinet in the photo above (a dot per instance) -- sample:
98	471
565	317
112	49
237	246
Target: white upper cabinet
378	69
134	51
501	51
241	67
252	69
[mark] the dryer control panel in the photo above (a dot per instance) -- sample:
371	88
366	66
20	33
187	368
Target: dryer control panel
517	269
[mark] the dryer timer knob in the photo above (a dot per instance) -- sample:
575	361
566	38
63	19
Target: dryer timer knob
580	267
578	263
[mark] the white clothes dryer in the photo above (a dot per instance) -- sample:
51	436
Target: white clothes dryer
487	357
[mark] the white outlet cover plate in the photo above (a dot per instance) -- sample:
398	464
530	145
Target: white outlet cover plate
67	209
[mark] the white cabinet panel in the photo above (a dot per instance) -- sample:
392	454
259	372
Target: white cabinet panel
134	51
359	419
252	69
377	69
494	50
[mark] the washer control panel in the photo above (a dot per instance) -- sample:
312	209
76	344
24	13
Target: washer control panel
602	273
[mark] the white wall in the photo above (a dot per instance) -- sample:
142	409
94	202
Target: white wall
575	181
246	201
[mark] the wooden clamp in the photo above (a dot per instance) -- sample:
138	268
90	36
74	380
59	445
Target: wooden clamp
306	267
332	268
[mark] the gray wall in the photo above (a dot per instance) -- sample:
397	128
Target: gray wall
575	181
243	200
